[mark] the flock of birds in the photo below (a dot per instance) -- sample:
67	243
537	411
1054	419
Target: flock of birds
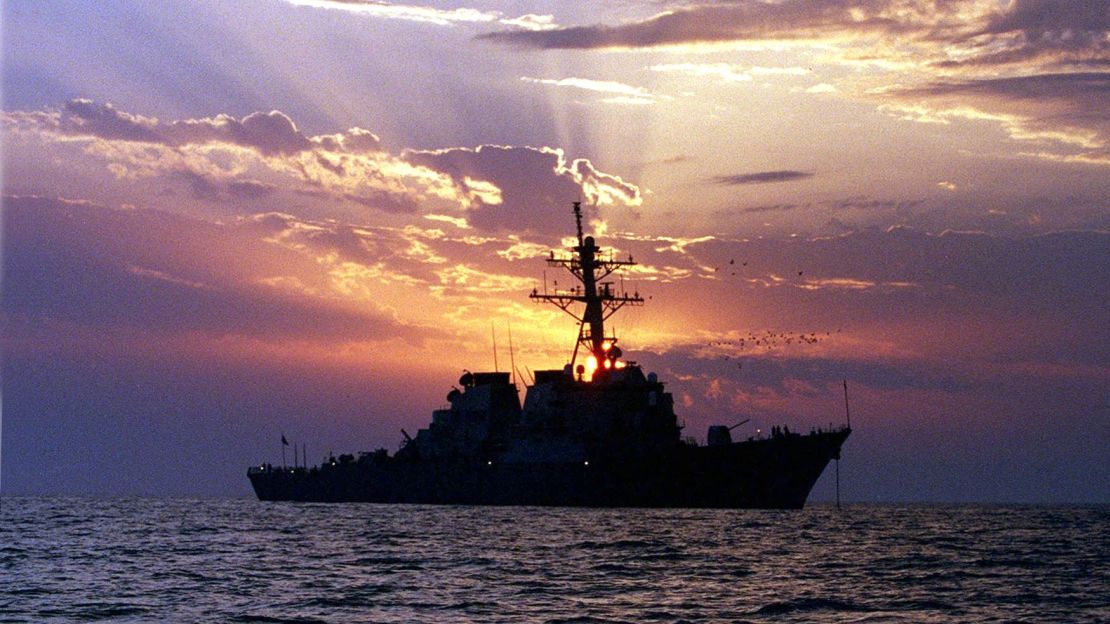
767	340
771	339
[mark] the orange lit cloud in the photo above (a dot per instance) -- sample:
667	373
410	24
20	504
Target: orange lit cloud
1034	66
953	34
170	273
1063	109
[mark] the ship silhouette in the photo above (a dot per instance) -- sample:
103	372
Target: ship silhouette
598	432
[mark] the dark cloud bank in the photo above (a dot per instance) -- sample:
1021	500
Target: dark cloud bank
761	177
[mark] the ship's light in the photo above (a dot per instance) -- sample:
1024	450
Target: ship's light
586	463
591	366
489	463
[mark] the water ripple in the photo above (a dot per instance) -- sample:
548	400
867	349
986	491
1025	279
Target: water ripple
135	560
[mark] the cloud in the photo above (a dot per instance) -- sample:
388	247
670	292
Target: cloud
950	34
103	120
458	222
767	208
1036	271
150	271
722	71
531	21
1048	32
428	15
902	277
741	21
1067	108
761	177
536	184
249	189
1077	90
211	189
224	160
866	203
1035	66
624	93
777	374
726	72
384	201
270	133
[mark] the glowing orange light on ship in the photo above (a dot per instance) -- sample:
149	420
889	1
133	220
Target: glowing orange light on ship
591	366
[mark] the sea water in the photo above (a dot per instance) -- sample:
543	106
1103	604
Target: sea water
239	560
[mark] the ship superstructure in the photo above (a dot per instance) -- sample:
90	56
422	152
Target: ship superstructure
599	298
598	432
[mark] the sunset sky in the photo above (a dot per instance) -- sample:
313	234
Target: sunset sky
225	221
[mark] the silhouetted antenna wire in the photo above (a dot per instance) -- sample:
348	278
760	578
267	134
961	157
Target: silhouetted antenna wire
848	418
493	333
847	413
512	358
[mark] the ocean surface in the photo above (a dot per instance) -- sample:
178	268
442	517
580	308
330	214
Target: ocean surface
239	560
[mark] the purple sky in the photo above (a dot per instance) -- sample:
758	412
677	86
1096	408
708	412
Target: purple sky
222	222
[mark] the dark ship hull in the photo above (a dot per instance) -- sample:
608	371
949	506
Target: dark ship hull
775	473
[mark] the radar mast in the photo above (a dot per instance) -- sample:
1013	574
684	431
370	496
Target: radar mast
602	300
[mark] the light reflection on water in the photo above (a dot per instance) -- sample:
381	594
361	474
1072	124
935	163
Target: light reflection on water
64	559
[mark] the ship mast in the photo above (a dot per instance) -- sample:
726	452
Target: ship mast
599	296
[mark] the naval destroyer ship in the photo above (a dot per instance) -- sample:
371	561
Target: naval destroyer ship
597	432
